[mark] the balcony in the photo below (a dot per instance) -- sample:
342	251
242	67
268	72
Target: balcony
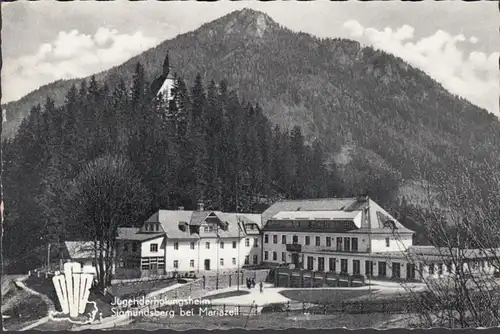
293	247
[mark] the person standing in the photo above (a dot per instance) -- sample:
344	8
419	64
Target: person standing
253	282
261	287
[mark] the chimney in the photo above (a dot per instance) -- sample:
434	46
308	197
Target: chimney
180	208
362	198
201	206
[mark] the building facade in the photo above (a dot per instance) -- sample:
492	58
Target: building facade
179	241
352	236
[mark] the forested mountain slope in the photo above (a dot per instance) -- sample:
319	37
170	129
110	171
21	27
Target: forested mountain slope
376	116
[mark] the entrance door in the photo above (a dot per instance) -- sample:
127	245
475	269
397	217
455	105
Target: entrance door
295	259
207	264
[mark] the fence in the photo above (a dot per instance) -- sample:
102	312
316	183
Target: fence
352	307
290	278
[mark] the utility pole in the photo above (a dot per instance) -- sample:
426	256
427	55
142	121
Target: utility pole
48	257
218	260
239	240
1	212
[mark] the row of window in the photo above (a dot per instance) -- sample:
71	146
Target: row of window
312	224
356	265
347	244
152	227
153	263
126	248
221	244
221	261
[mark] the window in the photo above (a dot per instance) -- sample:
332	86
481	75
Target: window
222	262
247	259
318	241
134	247
210	228
295	239
255	259
275	256
234	244
266	255
176	245
221	244
247	242
234	260
369	268
382	270
161	263
440	268
157	227
332	264
205	229
125	247
387	242
153	248
343	265
431	268
176	264
191	245
283	257
256	242
191	263
266	238
144	263
356	267
328	242
321	264
339	244
354	244
310	263
283	239
308	240
207	245
347	244
396	270
275	239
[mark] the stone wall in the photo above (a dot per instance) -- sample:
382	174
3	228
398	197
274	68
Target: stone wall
283	277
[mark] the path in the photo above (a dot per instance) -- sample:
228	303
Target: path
50	305
272	295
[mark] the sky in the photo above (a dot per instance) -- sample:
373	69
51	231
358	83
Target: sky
455	42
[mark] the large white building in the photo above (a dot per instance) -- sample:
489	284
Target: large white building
354	236
179	241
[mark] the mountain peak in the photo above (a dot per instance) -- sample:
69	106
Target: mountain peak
253	22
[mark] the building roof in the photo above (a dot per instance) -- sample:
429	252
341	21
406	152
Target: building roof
316	215
323	204
126	232
170	220
80	249
132	233
374	218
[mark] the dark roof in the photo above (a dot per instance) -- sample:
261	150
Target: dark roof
376	222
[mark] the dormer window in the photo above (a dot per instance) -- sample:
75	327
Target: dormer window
157	227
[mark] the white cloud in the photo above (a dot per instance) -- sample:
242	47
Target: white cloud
474	76
354	27
71	55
